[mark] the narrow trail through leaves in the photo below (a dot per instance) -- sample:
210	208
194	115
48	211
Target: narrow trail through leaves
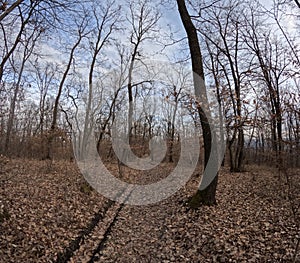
49	214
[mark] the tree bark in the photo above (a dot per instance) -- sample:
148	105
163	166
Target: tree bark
206	196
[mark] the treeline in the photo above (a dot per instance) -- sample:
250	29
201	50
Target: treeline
82	66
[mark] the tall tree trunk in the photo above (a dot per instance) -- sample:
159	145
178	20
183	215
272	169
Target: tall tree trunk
13	106
57	99
205	196
11	119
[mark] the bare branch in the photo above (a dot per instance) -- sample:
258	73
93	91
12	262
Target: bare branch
10	9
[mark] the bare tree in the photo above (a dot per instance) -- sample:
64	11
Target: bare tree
280	16
28	45
214	67
143	21
43	76
106	19
118	81
273	62
222	30
206	196
81	34
11	45
178	82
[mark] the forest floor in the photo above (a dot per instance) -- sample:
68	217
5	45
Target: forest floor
49	214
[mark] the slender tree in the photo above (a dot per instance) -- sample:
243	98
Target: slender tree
30	40
81	34
222	30
106	22
143	20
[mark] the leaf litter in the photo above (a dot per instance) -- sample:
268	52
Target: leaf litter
44	208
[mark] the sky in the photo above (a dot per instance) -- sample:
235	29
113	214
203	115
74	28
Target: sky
170	20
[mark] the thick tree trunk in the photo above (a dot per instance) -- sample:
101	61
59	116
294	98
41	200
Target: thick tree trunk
207	195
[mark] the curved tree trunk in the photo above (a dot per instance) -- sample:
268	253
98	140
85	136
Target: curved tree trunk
206	196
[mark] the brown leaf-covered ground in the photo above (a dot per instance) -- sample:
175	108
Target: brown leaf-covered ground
45	208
